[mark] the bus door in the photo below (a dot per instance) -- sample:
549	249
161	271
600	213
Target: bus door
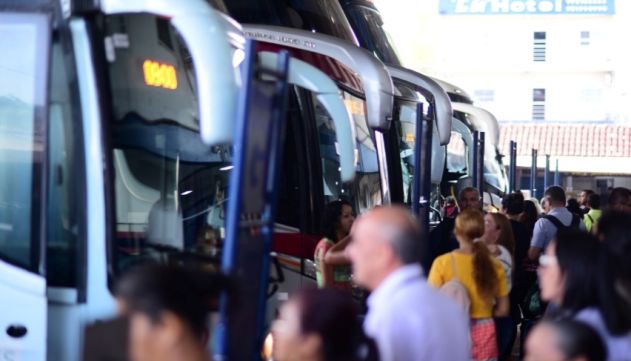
317	83
334	125
251	206
24	43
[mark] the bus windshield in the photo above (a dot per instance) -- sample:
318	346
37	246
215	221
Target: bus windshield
322	16
369	28
23	68
169	187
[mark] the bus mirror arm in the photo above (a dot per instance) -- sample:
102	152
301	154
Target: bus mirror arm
205	34
210	51
309	77
434	93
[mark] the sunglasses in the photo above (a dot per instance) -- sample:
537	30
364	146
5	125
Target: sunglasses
547	260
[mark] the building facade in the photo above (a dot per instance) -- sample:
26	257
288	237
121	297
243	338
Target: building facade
523	60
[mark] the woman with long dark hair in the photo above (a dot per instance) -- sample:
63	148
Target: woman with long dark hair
613	228
531	214
320	325
576	276
483	277
332	266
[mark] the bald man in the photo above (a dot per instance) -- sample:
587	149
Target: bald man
407	318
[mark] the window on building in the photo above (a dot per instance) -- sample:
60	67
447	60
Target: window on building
538	104
539	46
585	38
484	95
591	95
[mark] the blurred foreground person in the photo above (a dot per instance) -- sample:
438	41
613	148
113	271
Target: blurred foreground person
614	229
320	325
575	276
407	318
167	309
483	277
565	340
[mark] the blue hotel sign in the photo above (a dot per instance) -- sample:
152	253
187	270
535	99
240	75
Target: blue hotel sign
526	7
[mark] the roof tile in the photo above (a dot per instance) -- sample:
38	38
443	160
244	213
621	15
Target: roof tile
578	140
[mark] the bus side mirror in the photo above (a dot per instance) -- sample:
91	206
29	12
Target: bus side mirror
215	74
432	91
205	32
309	77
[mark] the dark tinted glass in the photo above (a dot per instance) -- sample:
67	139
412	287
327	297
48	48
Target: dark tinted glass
366	187
63	180
23	74
322	16
457	98
368	27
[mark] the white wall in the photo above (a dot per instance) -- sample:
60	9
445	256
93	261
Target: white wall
494	52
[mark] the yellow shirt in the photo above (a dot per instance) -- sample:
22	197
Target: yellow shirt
442	272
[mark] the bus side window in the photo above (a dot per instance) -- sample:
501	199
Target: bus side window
289	203
406	127
457	154
63	181
330	159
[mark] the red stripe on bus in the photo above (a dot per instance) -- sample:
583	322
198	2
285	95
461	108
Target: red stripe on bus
298	245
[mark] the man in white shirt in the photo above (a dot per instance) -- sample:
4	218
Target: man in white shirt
407	318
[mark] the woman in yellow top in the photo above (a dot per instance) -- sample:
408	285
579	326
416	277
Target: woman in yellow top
483	277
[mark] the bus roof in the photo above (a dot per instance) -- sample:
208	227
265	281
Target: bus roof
376	80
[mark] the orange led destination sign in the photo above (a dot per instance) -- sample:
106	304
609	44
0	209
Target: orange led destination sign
159	75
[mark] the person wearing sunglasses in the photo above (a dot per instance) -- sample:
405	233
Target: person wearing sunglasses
575	276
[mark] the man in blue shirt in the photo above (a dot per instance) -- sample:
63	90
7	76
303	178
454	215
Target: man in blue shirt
558	217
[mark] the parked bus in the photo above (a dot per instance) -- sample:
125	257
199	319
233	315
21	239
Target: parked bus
327	17
114	150
369	28
495	177
72	89
370	103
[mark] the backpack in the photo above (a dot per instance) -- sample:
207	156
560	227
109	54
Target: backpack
532	307
576	220
456	290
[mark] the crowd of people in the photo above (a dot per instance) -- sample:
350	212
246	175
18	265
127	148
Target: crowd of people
559	278
554	272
